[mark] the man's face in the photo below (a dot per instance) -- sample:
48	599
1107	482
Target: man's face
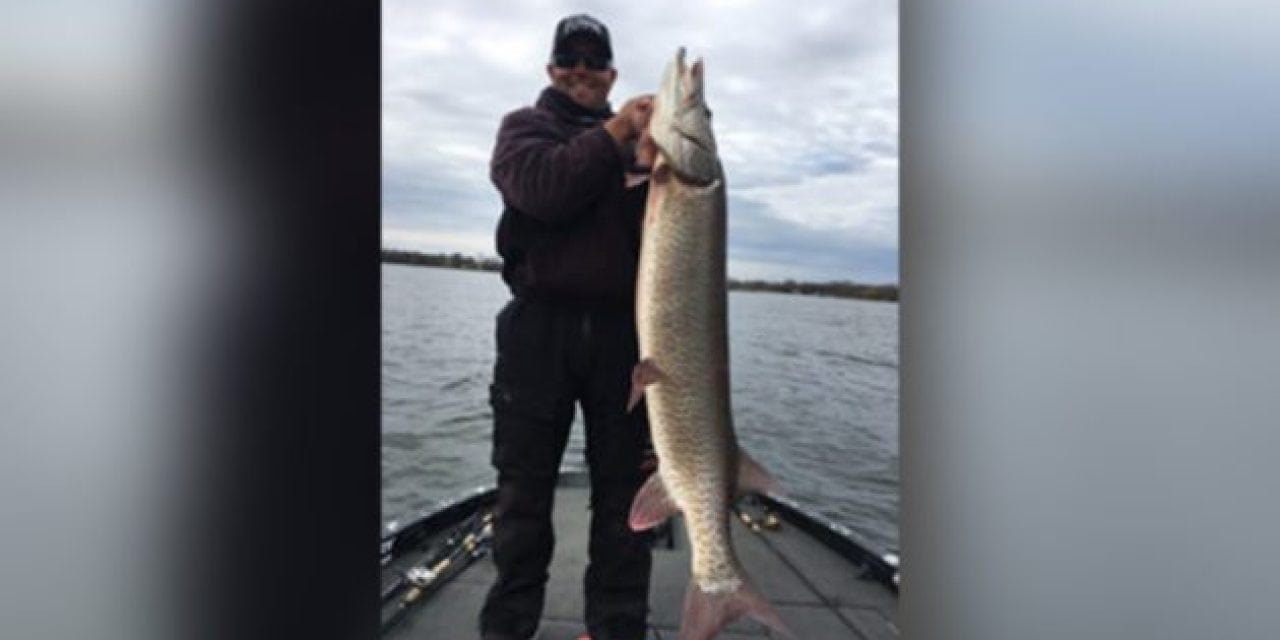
586	86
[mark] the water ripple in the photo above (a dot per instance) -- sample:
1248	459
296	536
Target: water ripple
814	395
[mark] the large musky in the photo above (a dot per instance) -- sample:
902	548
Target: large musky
805	97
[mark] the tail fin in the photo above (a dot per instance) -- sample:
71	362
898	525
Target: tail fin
706	614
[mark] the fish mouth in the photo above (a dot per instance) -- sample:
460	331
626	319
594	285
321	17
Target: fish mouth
677	131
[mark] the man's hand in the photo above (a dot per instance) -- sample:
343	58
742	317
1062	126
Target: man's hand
646	150
631	119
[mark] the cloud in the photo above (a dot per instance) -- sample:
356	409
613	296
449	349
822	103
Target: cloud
804	95
861	205
763	246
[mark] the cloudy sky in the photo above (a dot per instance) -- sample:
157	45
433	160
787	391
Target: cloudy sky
805	96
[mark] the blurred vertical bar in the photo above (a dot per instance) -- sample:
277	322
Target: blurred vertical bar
1090	320
189	334
294	483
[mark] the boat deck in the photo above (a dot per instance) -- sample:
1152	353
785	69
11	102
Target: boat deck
820	594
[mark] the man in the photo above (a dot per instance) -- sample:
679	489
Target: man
569	237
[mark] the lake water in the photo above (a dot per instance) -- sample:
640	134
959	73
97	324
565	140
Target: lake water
815	395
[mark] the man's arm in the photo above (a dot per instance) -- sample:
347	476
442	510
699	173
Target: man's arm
553	180
548	178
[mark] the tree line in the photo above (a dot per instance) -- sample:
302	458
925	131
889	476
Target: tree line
447	260
838	289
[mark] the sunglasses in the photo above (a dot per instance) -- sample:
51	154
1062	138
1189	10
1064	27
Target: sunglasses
571	60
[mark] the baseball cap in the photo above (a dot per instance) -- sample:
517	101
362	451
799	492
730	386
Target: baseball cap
581	25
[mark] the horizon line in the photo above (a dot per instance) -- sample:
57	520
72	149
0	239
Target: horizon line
481	256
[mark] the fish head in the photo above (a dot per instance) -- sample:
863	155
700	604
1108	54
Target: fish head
681	123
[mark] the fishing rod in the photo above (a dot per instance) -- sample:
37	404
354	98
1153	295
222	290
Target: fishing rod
434	555
437	553
465	545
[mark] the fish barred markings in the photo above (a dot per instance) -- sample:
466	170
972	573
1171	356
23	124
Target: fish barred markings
681	319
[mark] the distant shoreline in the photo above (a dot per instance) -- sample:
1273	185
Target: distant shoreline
838	289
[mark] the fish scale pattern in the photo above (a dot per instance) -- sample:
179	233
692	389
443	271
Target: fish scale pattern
682	324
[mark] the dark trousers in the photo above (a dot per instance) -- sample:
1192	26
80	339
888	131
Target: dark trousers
550	357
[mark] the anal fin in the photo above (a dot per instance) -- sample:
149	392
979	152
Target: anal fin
652	505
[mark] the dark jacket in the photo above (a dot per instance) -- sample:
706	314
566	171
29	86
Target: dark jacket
570	229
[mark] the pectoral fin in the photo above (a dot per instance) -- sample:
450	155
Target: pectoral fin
644	374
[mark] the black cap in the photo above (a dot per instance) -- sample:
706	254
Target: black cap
581	25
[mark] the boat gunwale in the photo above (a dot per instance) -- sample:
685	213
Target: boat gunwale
396	539
836	537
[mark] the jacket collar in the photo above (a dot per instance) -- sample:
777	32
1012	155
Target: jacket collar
564	107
